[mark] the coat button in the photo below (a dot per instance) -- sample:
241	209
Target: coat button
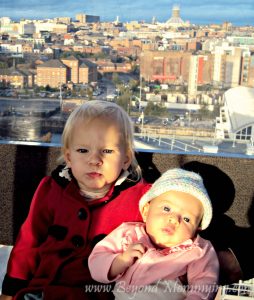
77	241
82	214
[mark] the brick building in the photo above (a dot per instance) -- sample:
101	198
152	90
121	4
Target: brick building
56	72
174	66
52	73
165	66
73	68
13	77
87	72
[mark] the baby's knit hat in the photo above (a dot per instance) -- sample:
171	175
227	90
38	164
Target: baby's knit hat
183	181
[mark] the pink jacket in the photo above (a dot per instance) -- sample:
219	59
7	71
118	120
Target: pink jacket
195	258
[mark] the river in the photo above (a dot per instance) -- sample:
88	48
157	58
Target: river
29	120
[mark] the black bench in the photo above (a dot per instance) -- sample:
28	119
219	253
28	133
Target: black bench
229	181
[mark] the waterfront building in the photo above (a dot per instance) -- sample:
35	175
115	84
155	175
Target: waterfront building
55	72
52	73
13	77
73	68
88	72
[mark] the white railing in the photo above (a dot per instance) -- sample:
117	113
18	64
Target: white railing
169	141
241	290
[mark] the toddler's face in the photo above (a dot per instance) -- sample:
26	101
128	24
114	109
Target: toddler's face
172	218
97	154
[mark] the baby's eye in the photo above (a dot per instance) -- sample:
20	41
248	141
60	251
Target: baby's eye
82	150
186	219
166	208
107	151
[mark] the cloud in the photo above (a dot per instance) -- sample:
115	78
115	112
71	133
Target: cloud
201	11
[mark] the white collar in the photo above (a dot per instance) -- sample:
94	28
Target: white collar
100	194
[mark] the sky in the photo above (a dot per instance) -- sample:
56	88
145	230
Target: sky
239	12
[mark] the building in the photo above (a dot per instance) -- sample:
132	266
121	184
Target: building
83	18
68	39
11	48
88	72
227	66
200	72
193	77
236	120
166	66
53	27
73	68
6	25
14	78
64	20
69	70
233	68
27	27
247	69
175	20
52	73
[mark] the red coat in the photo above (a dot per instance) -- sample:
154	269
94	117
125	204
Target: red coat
54	243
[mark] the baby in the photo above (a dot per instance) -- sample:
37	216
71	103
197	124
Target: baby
154	256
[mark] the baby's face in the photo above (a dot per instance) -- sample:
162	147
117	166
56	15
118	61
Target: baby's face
172	218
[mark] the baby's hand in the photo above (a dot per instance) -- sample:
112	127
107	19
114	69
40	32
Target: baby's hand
133	252
4	297
124	260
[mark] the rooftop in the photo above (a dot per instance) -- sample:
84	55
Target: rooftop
240	104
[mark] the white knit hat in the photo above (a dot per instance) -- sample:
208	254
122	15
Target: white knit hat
183	181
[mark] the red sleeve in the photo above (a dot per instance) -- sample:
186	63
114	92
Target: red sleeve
24	256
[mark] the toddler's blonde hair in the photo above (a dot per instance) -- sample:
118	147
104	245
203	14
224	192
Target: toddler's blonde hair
93	109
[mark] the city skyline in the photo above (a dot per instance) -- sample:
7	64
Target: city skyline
197	12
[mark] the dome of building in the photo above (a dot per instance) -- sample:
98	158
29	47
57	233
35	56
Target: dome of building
175	19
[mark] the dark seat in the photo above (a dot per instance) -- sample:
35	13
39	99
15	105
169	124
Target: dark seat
229	181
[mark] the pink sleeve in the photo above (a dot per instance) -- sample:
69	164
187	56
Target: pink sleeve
203	275
104	253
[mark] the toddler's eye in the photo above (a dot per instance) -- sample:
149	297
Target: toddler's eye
166	208
186	219
107	151
81	150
